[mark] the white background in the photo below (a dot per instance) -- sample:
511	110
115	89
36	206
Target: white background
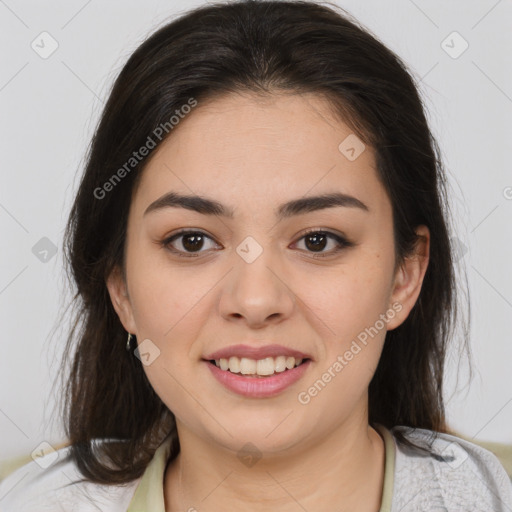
49	108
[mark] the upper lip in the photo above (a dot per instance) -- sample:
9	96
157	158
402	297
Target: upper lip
256	352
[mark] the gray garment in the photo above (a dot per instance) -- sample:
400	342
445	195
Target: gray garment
460	477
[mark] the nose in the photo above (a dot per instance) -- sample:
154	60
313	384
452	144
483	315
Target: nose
257	292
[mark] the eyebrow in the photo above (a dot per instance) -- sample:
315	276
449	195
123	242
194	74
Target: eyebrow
207	206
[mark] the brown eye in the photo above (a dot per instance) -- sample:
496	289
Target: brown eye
193	242
316	242
186	243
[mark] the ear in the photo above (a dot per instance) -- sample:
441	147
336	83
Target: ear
118	292
409	278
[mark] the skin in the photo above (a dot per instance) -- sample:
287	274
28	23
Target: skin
252	154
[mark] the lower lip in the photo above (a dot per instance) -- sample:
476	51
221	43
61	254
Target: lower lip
258	387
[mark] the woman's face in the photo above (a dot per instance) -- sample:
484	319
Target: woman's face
256	278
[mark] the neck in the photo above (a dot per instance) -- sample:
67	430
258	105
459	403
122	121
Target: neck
345	469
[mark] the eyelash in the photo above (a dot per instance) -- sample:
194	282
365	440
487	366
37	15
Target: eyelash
343	243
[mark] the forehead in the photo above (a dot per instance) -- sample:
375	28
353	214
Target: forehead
248	149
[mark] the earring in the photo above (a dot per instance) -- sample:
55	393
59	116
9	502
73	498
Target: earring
129	342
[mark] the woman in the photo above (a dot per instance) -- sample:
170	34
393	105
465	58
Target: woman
262	223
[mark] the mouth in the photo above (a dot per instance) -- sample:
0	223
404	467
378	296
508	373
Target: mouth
262	371
262	378
258	368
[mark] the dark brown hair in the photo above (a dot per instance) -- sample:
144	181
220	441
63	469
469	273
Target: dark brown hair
263	47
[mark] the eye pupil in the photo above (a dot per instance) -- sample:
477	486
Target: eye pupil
196	242
317	244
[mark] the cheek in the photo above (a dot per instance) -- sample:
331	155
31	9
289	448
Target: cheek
350	298
166	306
355	339
164	296
167	311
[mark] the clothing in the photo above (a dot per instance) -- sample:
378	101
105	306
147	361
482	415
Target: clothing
460	476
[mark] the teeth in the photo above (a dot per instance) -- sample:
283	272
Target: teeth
290	362
247	366
267	366
280	363
234	364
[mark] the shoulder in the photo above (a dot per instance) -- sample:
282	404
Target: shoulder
456	475
53	483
